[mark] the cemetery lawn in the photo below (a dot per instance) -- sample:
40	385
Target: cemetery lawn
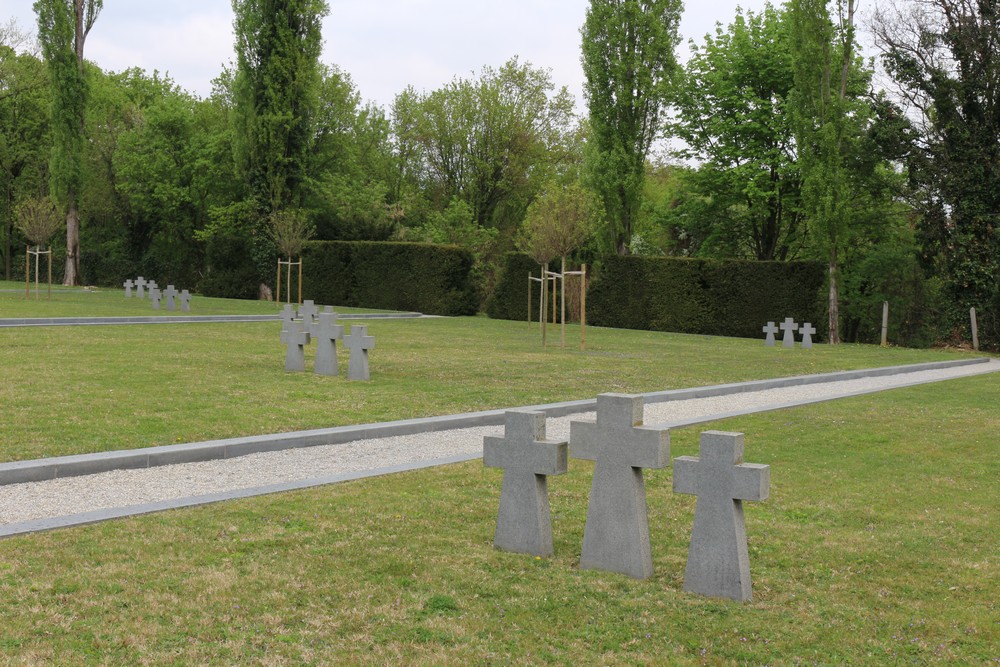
878	543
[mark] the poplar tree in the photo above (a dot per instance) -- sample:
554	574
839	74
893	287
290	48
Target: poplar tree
278	44
63	26
628	64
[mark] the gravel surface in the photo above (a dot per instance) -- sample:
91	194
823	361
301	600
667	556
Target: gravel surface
125	488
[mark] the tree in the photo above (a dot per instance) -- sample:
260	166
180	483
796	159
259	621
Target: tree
731	115
63	26
825	123
628	64
945	58
38	220
278	44
559	222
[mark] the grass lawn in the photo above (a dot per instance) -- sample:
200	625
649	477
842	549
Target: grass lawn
878	544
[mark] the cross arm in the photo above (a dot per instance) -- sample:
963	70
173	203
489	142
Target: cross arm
751	481
686	475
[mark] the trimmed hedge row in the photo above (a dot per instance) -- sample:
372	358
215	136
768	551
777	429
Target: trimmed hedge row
430	279
724	298
712	297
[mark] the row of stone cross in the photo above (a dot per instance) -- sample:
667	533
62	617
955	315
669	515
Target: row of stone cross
148	288
789	327
616	536
308	324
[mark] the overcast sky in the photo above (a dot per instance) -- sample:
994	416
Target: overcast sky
384	45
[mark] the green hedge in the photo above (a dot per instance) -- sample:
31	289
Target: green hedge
509	300
722	298
426	278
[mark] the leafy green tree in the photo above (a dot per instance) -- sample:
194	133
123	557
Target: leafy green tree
628	64
731	115
63	26
278	44
944	56
826	122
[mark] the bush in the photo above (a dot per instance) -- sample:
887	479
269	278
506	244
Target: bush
430	279
509	300
230	268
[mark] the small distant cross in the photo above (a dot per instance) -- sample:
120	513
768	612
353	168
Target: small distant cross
616	537
154	294
524	522
807	330
295	336
770	330
359	342
185	298
287	315
140	283
151	285
307	311
326	332
718	562
170	293
789	327
128	285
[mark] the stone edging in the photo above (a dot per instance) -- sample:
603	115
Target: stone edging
178	319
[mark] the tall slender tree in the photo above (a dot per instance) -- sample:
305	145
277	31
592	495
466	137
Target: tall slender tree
823	53
628	64
278	44
63	26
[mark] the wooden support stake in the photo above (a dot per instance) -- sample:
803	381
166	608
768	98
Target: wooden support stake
562	276
975	329
300	280
27	271
38	260
583	308
529	299
49	253
885	323
544	313
277	283
288	280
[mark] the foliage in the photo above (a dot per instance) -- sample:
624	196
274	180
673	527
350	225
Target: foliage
945	59
628	65
731	115
38	220
230	270
558	222
430	279
289	229
722	298
509	299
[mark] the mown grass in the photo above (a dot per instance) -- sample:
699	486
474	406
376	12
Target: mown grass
878	544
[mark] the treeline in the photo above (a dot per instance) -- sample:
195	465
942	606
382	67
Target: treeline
788	151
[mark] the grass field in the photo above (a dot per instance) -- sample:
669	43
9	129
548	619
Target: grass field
878	544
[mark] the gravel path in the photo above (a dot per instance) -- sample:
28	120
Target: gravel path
125	488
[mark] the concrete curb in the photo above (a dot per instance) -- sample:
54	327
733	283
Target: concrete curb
85	464
177	319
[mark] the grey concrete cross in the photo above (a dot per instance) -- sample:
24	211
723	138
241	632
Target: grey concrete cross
295	336
140	283
307	312
807	330
326	332
128	285
789	327
154	294
287	315
359	342
718	563
524	522
770	330
150	286
185	298
616	537
170	293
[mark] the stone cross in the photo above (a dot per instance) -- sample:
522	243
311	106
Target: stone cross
359	342
616	537
154	294
326	332
287	315
128	285
770	330
718	563
789	327
140	283
170	293
185	298
807	330
151	285
307	311
296	337
524	522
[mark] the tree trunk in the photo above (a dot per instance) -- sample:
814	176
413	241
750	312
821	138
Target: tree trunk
72	276
834	321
